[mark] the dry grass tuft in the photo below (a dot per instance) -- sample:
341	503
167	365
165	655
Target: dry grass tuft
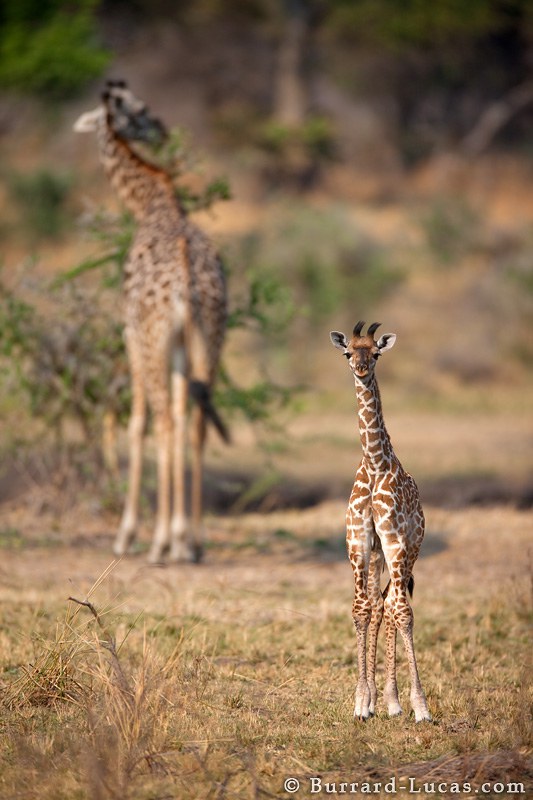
55	675
121	713
126	723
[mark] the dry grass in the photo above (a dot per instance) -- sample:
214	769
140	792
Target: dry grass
219	681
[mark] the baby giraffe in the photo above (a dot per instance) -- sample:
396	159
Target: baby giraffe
384	524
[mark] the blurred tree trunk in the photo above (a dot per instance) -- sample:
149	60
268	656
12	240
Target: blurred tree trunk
290	91
496	116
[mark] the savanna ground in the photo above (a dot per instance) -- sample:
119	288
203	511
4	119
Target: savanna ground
222	680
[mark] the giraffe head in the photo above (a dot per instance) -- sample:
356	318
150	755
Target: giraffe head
125	114
362	350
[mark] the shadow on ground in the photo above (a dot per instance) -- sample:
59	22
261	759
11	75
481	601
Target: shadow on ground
246	492
333	548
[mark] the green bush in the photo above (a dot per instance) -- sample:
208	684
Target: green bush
295	155
50	47
69	363
41	197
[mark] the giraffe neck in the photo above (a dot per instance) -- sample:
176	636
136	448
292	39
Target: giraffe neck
375	440
139	185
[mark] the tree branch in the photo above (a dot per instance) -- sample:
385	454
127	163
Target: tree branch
495	117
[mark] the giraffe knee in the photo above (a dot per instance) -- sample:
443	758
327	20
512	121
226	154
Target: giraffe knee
162	424
377	613
361	611
398	610
378	604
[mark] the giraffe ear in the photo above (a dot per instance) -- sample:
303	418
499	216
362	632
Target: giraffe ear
338	340
386	341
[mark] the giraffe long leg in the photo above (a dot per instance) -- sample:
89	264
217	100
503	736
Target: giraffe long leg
417	696
199	384
390	691
179	550
163	433
128	525
399	614
359	537
198	442
361	617
376	599
157	384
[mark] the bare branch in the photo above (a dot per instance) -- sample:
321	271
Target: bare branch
109	644
91	608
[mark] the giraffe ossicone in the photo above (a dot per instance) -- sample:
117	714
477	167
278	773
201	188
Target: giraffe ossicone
384	526
175	312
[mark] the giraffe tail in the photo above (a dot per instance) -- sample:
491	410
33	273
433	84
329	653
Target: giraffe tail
410	587
201	394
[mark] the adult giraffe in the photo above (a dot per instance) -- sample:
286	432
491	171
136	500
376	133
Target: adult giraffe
175	310
384	523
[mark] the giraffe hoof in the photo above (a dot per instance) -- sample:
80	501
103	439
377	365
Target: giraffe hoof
123	544
395	712
426	717
155	558
120	552
183	553
361	714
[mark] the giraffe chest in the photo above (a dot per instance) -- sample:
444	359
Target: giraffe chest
383	494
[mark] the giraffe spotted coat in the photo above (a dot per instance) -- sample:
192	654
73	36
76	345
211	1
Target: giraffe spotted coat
175	313
384	525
